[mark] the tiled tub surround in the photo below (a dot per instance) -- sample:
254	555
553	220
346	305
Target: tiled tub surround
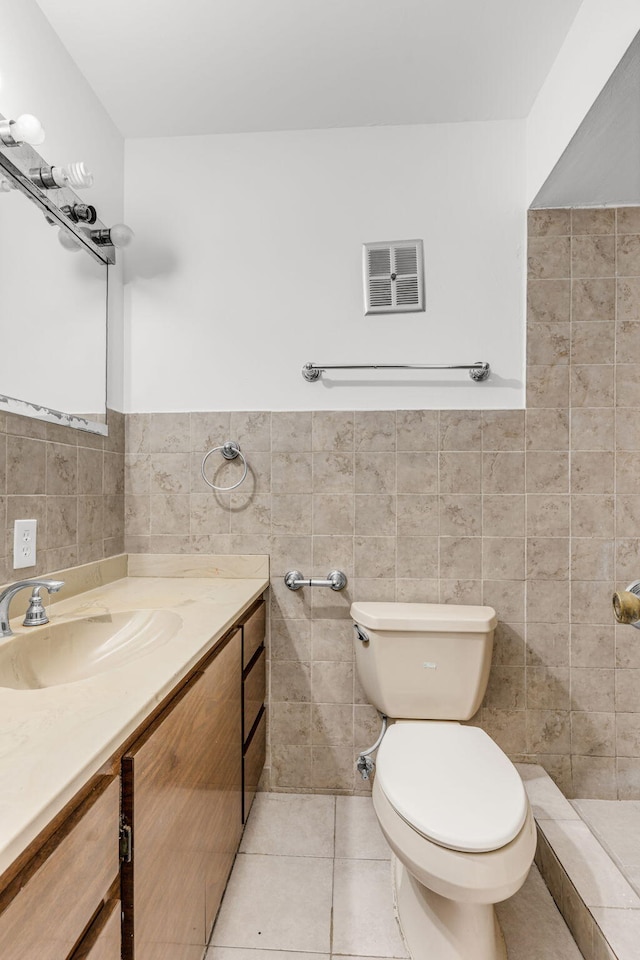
584	375
599	905
72	482
535	512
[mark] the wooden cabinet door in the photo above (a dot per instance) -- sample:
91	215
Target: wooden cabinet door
59	892
182	796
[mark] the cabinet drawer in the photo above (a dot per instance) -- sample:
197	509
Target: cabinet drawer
253	690
102	941
253	634
66	884
254	758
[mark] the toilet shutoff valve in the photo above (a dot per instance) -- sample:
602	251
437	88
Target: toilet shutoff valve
365	766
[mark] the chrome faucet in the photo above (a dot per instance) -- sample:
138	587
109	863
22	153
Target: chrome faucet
36	614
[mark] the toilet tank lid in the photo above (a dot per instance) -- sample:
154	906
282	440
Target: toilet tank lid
443	617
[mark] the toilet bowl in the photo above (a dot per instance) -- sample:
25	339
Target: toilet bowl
462	841
449	802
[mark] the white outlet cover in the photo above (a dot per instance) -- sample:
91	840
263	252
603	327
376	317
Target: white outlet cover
25	534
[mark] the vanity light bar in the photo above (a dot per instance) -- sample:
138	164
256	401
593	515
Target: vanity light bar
30	160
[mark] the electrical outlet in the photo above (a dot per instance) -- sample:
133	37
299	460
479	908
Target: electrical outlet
24	543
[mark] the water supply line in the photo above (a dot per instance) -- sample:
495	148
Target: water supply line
364	763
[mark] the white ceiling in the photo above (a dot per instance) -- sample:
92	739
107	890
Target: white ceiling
173	67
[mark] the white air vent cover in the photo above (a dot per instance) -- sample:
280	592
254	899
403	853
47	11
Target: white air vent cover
393	277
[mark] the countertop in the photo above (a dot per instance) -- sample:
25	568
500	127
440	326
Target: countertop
52	740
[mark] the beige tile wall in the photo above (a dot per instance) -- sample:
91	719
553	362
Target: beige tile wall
584	398
71	482
536	513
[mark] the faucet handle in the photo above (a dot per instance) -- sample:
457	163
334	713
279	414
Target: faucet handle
36	614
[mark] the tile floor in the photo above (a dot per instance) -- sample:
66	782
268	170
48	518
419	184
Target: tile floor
312	880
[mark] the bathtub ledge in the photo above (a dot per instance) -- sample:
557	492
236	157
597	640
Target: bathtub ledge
600	907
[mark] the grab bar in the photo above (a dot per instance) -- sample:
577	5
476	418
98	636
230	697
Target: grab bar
477	371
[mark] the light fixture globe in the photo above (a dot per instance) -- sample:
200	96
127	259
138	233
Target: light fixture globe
27	129
67	240
121	235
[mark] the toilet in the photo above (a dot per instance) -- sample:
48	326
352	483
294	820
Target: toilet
449	801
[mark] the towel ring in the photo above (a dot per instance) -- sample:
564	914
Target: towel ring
230	450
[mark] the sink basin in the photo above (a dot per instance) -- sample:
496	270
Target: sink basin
73	650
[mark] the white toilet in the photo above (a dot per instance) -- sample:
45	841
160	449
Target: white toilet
450	803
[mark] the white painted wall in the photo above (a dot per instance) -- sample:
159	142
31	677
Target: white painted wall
595	44
248	264
38	76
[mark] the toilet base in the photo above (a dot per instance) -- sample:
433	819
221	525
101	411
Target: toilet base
435	927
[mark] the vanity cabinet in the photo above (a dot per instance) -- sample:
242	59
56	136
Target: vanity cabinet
182	799
51	904
187	779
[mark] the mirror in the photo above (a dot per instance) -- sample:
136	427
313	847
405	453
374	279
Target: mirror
53	305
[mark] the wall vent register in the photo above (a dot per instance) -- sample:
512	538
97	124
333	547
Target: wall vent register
393	277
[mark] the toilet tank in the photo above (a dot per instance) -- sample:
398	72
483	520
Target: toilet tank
423	661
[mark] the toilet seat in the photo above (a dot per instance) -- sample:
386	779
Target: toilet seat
452	784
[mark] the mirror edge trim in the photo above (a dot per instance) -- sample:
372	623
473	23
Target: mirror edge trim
25	409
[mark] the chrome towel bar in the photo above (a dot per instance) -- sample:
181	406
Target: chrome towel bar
477	371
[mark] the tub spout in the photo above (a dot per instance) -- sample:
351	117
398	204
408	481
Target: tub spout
626	607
